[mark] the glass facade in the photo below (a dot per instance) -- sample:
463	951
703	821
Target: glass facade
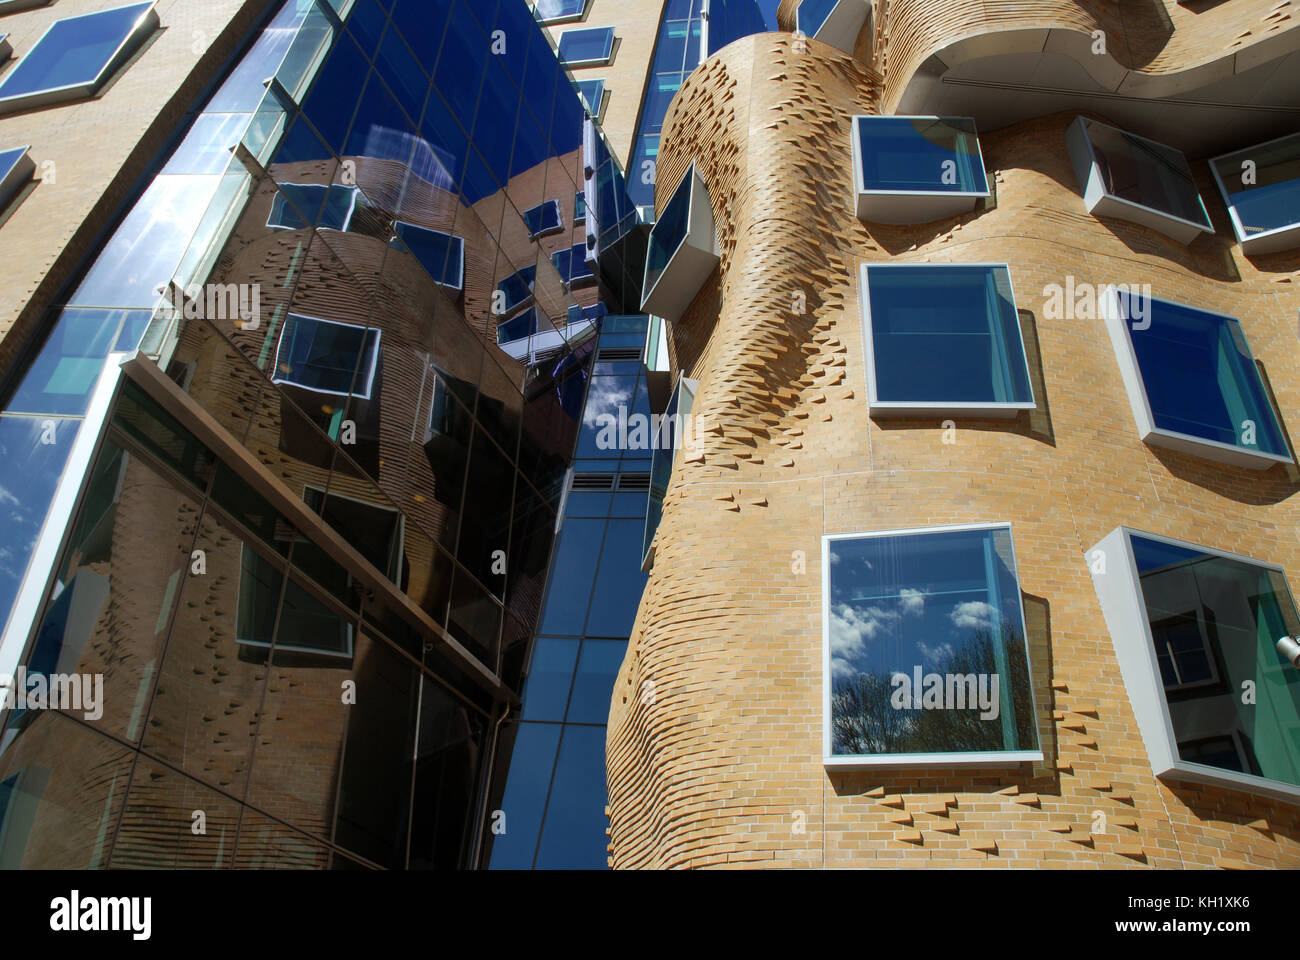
926	652
552	789
1214	621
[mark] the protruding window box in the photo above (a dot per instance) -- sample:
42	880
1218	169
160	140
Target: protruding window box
1192	381
441	254
911	170
943	339
543	219
76	56
589	47
6	48
560	11
1194	628
925	652
836	22
682	250
16	169
1261	186
1128	177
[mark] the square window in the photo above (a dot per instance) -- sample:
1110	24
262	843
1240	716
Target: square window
329	206
1192	382
1261	186
593	95
682	249
322	355
943	338
75	57
559	11
587	48
916	169
543	219
518	328
573	267
516	290
16	169
924	650
441	254
1193	627
837	22
1132	178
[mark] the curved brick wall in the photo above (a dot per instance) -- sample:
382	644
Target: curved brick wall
714	745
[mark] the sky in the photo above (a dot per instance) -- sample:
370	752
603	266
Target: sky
769	12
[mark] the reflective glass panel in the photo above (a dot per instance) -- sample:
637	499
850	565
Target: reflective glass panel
1147	173
587	46
1263	184
928	154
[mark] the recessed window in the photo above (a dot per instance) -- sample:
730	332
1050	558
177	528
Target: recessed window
593	95
441	254
515	291
75	57
323	355
916	169
925	655
296	206
559	11
943	338
1192	381
1261	186
837	22
573	267
1132	178
587	48
16	170
668	440
1195	630
543	219
681	251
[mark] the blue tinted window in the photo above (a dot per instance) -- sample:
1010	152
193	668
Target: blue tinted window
593	92
63	375
518	288
531	764
593	686
579	207
74	52
334	95
574	835
516	328
543	218
669	231
546	694
15	168
441	254
619	582
559	9
1271	200
322	355
945	334
567	597
587	46
812	14
900	154
1147	173
299	205
1199	376
572	265
903	608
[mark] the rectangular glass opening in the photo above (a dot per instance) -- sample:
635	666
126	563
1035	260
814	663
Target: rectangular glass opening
543	218
669	231
1146	173
920	154
441	254
1261	186
323	355
587	46
926	651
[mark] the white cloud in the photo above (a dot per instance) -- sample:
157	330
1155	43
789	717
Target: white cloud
912	601
852	628
972	615
841	669
937	653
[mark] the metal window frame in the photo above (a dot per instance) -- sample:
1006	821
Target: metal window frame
911	207
1274	240
1001	409
973	758
277	377
606	57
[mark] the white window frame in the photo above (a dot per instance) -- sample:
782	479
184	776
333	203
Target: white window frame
1281	238
1003	409
460	243
906	207
326	187
1209	658
12	182
1135	387
1123	606
1101	203
597	108
563	18
146	25
596	61
374	362
545	231
989	758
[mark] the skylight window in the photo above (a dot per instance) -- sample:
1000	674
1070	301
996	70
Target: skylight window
76	56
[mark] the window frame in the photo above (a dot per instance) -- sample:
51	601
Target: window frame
1123	603
845	21
562	18
1274	240
997	409
544	231
1144	417
281	198
597	108
15	179
277	377
696	252
147	24
966	759
459	242
1100	202
397	549
911	207
602	60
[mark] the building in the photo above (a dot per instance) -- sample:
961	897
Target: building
990	316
